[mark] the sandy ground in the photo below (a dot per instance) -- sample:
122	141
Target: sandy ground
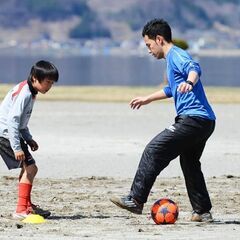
89	152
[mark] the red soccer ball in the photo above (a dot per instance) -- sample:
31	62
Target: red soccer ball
164	211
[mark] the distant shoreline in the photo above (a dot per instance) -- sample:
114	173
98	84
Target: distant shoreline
217	53
106	51
122	93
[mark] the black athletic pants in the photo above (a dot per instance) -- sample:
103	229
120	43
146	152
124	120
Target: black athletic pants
185	138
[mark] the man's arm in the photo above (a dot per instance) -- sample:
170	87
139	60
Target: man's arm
139	101
190	82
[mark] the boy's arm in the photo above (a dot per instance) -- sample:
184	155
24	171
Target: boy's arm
139	101
33	145
14	120
26	134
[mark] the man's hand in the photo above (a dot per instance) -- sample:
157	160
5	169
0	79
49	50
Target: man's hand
184	87
191	81
138	102
33	145
20	156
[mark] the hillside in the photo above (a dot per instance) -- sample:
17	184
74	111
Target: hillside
60	20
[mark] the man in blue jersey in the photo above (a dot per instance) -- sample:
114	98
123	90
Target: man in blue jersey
186	137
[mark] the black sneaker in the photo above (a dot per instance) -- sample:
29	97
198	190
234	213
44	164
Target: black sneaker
128	203
203	217
35	209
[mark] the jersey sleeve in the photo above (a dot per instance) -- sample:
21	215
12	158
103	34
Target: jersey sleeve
167	91
192	66
185	64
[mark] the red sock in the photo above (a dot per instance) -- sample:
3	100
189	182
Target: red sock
24	192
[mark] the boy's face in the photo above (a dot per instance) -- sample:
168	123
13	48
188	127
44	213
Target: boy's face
155	46
43	86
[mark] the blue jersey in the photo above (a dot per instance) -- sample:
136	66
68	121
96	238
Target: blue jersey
193	103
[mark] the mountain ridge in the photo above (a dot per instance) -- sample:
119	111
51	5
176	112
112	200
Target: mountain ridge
213	20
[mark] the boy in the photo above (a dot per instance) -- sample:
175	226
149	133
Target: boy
186	137
15	137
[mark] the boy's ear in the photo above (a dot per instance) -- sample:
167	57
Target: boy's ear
34	79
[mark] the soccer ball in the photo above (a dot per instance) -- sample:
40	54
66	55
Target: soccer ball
164	211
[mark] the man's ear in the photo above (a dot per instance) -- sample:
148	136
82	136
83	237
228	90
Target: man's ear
159	40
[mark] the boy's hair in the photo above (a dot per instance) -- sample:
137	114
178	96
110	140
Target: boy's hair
157	27
44	69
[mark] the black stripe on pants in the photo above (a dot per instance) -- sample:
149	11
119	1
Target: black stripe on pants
185	138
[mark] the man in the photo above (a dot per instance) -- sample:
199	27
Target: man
186	137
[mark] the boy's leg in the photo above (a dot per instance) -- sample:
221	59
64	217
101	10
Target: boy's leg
24	191
26	177
29	170
20	174
24	197
25	186
28	174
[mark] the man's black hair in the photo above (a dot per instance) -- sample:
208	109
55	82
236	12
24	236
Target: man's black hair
157	27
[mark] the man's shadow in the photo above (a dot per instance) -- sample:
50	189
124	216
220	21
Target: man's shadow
81	216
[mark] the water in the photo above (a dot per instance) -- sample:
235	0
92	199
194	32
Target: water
118	70
220	71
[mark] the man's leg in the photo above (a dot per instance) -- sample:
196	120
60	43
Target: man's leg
156	156
191	167
194	179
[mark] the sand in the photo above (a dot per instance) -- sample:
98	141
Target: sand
89	152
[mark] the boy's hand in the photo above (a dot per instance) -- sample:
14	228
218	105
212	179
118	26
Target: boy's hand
20	156
33	145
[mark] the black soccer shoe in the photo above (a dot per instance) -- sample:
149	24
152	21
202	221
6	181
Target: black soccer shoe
35	209
128	203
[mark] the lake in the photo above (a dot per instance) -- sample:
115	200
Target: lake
118	70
